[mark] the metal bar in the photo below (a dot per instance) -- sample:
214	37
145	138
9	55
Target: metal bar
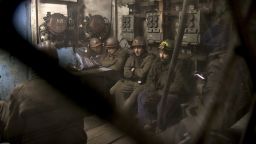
172	65
111	18
116	20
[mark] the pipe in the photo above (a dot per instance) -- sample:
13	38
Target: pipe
172	65
116	20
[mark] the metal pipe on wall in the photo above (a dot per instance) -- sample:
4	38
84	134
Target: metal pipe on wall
178	40
116	20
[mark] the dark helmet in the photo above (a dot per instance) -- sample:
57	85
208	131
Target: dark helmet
94	42
166	45
138	41
111	42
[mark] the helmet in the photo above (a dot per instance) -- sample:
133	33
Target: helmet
111	42
166	45
138	41
94	42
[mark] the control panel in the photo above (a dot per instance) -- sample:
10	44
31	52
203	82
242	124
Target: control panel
153	27
128	27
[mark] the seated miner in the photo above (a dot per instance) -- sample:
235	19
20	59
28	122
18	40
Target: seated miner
95	50
115	56
89	57
181	90
39	114
135	72
149	97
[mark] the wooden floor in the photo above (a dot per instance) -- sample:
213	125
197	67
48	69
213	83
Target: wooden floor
100	132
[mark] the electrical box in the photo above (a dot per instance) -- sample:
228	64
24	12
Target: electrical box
128	27
153	27
192	27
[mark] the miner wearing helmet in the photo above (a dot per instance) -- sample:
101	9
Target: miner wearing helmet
149	97
181	90
135	72
89	57
165	50
115	56
138	46
95	47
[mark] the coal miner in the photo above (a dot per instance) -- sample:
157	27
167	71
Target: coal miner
96	49
181	90
150	95
115	56
135	72
88	57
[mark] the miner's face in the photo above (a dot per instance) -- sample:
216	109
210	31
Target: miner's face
163	55
138	50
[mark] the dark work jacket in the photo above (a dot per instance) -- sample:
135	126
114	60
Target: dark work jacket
157	76
181	90
141	64
155	83
38	114
115	61
183	84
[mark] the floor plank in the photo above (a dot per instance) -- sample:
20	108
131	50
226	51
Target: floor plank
124	140
104	134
